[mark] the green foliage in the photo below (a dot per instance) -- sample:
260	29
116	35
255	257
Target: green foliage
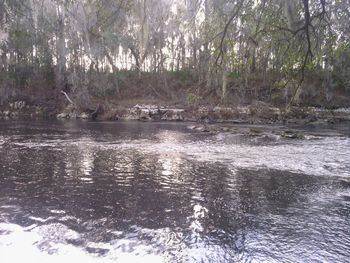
125	74
192	99
19	34
233	75
21	39
341	66
182	75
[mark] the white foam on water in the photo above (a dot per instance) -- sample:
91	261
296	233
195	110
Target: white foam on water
326	156
19	245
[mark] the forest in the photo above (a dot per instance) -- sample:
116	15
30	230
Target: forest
174	131
188	52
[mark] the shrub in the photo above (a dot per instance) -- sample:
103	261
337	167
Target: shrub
192	99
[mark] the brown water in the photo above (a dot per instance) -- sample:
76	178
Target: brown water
160	192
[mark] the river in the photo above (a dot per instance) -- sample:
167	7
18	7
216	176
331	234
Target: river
161	192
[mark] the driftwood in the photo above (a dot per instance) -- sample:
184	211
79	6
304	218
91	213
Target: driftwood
97	111
93	112
67	97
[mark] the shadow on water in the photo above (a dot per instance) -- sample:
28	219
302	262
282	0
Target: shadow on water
70	189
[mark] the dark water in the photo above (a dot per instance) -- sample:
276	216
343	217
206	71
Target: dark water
148	192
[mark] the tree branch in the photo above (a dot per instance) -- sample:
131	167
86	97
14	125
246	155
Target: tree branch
67	97
224	33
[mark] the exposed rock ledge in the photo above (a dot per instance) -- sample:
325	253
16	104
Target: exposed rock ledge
71	112
256	113
152	112
21	110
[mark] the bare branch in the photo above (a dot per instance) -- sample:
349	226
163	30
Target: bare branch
67	97
221	53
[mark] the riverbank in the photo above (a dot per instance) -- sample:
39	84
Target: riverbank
257	113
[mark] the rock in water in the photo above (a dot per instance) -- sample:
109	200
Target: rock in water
62	116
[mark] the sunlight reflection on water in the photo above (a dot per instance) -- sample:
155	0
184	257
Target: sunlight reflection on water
157	193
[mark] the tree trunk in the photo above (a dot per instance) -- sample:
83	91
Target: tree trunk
115	70
61	50
224	85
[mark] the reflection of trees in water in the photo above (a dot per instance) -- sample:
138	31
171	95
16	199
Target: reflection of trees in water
239	203
27	181
171	204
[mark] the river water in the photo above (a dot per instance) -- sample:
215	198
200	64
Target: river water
161	192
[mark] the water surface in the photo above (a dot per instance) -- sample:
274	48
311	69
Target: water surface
161	192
